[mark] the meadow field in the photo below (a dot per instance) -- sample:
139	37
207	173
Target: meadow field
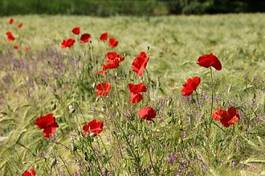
39	77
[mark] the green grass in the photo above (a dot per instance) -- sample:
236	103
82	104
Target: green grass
50	79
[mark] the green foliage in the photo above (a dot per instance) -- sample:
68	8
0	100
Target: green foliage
130	7
80	7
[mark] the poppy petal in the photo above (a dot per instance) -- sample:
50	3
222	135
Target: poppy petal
104	36
209	60
93	127
103	89
147	113
76	30
190	85
113	42
140	63
135	98
85	38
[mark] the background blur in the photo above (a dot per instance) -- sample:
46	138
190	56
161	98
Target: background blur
129	7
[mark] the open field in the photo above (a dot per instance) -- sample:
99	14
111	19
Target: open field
182	139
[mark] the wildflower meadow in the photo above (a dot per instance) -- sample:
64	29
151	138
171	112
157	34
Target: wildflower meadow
92	96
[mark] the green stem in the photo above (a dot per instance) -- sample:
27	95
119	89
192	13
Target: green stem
212	95
136	157
91	51
76	154
65	165
219	127
88	145
197	98
25	147
97	160
210	121
150	157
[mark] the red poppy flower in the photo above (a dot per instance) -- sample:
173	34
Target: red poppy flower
140	63
218	114
113	60
29	172
113	42
209	60
190	85
135	98
147	113
48	124
104	36
10	37
137	88
114	56
85	38
11	21
76	30
67	43
93	127
103	89
227	118
110	65
16	47
20	25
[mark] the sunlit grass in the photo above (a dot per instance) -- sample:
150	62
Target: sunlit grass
62	81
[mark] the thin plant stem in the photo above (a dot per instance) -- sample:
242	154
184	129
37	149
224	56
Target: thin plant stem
136	157
65	165
25	147
150	157
197	98
97	160
219	127
67	148
85	148
211	111
212	94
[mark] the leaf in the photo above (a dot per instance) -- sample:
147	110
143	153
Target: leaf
15	136
254	160
3	138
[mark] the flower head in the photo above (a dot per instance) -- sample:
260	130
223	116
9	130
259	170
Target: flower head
10	36
113	42
85	38
16	46
67	43
103	89
48	124
226	118
137	88
76	30
140	63
11	21
104	36
135	92
147	113
190	85
93	127
209	60
113	60
110	65
20	25
114	56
